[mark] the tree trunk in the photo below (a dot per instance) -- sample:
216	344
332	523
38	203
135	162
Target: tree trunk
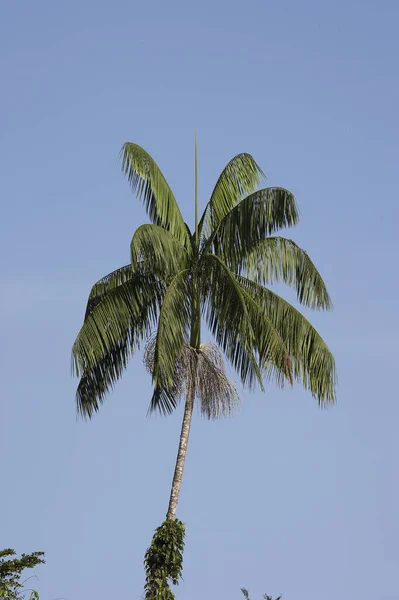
181	455
188	409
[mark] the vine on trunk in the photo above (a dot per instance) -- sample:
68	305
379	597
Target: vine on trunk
164	560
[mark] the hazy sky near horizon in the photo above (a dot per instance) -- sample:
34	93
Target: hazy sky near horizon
284	498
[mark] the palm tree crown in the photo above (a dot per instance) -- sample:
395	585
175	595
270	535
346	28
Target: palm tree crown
216	275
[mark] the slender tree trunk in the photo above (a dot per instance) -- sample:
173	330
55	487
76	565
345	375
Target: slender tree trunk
188	413
181	455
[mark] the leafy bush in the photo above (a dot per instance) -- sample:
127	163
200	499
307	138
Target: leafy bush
11	586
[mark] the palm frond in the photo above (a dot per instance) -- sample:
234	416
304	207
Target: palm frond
151	187
226	313
277	259
312	362
252	220
106	284
172	335
96	383
101	369
273	354
239	178
155	250
163	400
242	328
130	307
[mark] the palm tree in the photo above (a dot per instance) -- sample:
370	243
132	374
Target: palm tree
215	276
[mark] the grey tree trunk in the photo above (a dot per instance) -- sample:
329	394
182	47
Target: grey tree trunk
181	455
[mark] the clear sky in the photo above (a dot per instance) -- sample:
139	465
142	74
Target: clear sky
285	497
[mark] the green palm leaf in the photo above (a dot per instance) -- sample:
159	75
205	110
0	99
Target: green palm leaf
155	250
131	307
241	328
270	346
225	311
102	364
171	337
151	187
105	285
252	220
278	259
312	362
95	383
240	177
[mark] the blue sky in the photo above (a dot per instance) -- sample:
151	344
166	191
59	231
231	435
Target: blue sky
285	497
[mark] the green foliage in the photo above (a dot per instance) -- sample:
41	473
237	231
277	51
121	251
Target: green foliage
176	280
11	569
163	560
310	358
265	596
152	189
242	328
239	178
114	327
